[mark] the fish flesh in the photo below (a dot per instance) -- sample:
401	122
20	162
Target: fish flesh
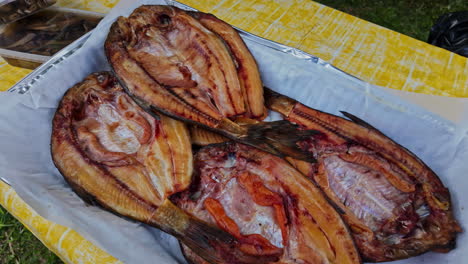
395	205
247	69
115	155
195	68
267	204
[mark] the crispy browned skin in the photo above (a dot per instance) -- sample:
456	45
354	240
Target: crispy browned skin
169	62
395	204
266	204
166	57
116	155
246	66
202	137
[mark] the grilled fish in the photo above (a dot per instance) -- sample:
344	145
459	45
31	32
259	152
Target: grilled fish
247	69
395	205
203	137
266	204
116	155
194	67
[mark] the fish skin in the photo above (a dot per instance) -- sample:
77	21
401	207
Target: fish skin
198	82
144	89
182	42
395	205
246	65
262	194
203	137
116	156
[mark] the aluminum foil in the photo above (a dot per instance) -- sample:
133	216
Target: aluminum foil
27	110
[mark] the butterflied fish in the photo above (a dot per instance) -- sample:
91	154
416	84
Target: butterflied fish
246	66
395	205
270	207
114	154
195	68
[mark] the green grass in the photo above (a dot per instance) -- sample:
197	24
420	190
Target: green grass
19	246
411	17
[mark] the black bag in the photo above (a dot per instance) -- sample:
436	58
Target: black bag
450	32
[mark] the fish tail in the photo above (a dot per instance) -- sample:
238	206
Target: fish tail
280	138
207	241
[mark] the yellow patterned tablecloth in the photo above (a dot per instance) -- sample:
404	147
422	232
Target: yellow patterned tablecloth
370	52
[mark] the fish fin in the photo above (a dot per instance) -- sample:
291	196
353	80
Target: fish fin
208	241
362	123
202	137
87	198
217	246
189	256
358	121
279	138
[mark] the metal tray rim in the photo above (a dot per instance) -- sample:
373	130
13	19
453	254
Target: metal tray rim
5	181
29	80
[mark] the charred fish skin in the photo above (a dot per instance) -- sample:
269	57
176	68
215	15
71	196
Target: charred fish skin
267	204
169	62
119	157
396	206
